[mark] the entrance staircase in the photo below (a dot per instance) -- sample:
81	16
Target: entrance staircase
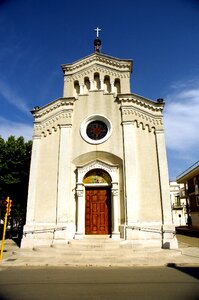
104	251
91	251
100	251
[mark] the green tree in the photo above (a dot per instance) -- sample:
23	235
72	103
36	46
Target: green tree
2	150
15	156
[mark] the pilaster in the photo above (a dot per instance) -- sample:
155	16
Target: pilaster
163	177
130	171
34	167
115	212
80	212
63	198
168	229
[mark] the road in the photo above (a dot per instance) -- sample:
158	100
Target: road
188	240
91	283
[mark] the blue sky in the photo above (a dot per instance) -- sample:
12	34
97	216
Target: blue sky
161	36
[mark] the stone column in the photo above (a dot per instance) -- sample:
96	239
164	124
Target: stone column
130	172
34	166
92	86
80	212
102	84
115	212
81	89
63	197
112	87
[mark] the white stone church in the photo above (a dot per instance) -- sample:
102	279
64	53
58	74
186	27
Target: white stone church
99	165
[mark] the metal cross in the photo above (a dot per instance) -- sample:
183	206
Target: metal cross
98	30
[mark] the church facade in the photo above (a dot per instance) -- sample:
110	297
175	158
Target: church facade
99	163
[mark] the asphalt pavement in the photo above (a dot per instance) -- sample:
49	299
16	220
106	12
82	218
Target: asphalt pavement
98	283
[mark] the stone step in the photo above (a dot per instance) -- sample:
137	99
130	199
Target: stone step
99	260
106	245
75	254
94	254
88	253
94	244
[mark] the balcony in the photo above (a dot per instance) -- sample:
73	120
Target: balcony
177	206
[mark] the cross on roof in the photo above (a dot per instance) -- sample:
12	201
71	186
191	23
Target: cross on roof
97	30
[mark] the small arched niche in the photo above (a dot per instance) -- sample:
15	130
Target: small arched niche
86	85
76	88
96	81
107	84
117	86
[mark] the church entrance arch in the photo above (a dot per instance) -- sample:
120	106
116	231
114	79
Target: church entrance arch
97	202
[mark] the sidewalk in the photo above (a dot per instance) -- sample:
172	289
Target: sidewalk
62	255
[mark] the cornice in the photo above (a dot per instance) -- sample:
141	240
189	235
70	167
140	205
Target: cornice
45	110
112	62
89	70
143	118
50	117
144	112
52	123
140	101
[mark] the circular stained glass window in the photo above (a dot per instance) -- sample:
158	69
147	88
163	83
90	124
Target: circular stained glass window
96	130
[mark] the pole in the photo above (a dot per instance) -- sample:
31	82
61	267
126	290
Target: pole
4	234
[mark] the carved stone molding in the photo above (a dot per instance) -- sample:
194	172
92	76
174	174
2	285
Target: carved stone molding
111	170
59	103
111	62
141	118
53	123
141	103
144	112
80	193
95	69
114	192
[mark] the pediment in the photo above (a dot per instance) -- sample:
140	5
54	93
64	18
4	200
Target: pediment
53	108
98	60
144	112
51	116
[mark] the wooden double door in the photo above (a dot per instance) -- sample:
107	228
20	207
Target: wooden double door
98	211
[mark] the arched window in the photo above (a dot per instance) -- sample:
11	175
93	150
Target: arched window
96	81
117	86
76	88
86	85
107	84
